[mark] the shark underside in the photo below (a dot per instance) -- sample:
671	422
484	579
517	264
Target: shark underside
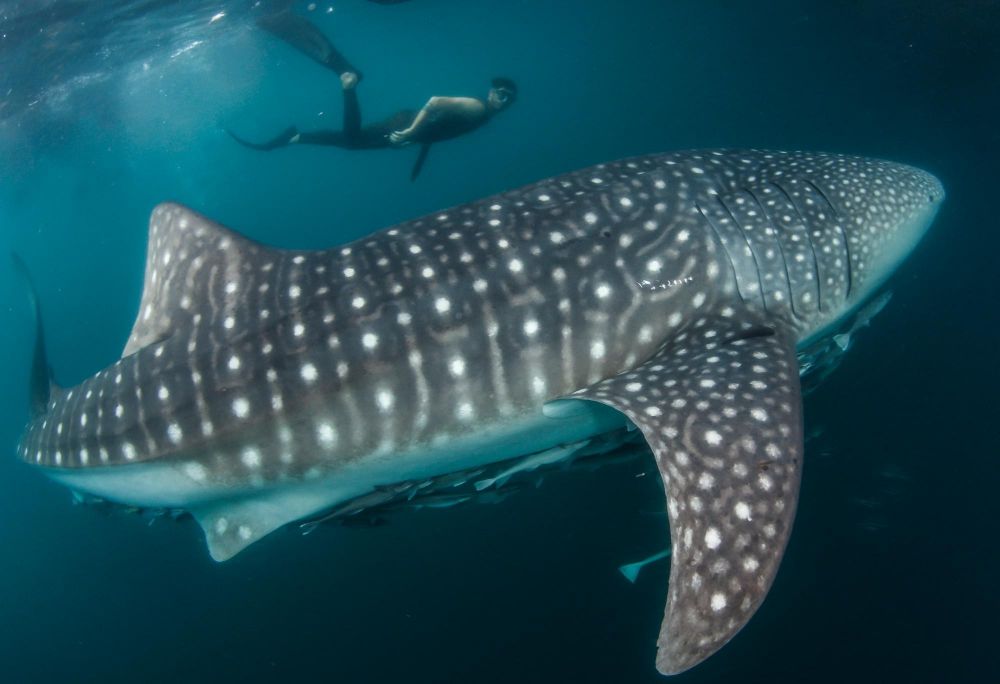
673	298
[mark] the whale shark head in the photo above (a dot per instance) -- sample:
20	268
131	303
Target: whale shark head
886	212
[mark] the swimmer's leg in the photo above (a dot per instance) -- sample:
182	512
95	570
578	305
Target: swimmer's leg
293	136
352	113
330	138
286	137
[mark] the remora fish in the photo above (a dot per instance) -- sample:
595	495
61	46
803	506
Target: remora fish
260	386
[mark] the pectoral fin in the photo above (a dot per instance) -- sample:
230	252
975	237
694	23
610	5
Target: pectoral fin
721	408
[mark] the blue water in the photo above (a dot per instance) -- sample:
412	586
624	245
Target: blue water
109	108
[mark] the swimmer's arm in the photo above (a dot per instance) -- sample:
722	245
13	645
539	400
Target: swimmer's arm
435	107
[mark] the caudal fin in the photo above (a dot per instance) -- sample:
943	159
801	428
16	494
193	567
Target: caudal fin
41	374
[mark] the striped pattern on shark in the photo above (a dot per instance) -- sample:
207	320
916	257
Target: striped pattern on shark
261	386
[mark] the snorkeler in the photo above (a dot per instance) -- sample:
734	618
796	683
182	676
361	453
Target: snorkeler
442	118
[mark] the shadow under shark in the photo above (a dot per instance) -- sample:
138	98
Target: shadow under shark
669	293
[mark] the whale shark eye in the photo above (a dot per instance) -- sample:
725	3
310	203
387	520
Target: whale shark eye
931	197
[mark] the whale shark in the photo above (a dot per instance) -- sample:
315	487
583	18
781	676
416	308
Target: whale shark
665	293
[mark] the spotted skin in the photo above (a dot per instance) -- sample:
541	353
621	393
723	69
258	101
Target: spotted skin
260	386
720	406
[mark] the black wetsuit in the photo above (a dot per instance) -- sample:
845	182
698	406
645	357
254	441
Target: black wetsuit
351	137
305	37
354	136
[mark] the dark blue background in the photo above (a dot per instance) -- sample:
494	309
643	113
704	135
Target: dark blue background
891	573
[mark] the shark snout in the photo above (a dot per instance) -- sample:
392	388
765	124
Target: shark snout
927	194
936	193
896	209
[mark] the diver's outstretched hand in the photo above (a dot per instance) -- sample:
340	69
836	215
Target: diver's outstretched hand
287	137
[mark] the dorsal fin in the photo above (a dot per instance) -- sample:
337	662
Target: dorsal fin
199	273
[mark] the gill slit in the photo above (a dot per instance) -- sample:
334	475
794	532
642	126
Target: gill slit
812	246
753	254
729	256
843	235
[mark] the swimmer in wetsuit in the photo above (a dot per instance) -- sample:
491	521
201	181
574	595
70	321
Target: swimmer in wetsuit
442	118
